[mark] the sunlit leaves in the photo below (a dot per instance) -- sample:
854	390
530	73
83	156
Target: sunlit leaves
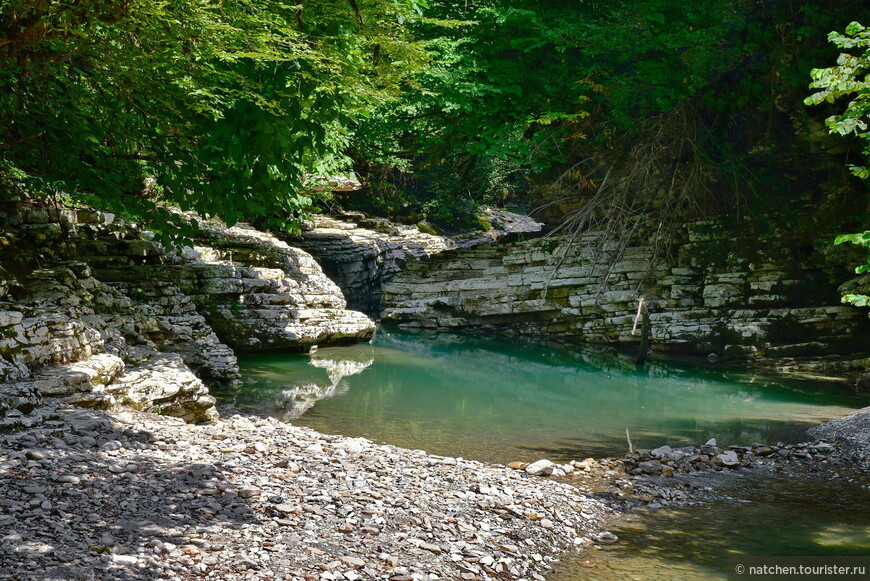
849	79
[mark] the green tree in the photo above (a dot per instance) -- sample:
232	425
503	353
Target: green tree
849	79
518	90
485	113
231	107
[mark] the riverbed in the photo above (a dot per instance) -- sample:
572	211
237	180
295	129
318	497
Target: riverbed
757	514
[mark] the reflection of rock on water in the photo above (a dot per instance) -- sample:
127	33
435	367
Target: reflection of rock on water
299	398
338	369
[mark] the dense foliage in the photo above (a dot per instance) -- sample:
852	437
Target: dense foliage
849	78
235	108
229	106
514	91
530	94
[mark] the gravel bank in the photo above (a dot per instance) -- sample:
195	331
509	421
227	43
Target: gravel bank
852	432
91	495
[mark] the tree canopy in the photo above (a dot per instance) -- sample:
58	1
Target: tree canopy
236	108
850	78
526	94
230	107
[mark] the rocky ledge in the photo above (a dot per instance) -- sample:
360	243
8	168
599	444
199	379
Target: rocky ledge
92	308
89	495
362	254
725	294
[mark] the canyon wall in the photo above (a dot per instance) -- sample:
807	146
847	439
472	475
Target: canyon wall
720	291
95	311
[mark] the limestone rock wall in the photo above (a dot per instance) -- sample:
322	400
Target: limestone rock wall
73	337
97	313
722	294
363	254
254	290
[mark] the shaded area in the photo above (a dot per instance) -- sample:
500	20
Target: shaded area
733	432
775	516
71	508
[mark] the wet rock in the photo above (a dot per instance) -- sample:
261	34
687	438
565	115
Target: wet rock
605	537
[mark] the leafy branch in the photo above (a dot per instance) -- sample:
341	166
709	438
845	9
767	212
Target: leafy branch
849	79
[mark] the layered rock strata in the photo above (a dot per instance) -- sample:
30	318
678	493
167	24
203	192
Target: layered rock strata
363	254
101	315
722	294
255	291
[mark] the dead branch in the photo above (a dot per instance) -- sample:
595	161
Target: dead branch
22	140
644	192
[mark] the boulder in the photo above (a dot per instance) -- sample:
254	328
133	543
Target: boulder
728	459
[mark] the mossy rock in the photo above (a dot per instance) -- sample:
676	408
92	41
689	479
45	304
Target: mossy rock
426	228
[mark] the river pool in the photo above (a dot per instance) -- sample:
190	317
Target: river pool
497	401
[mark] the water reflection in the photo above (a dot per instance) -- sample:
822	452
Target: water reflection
776	516
288	395
497	401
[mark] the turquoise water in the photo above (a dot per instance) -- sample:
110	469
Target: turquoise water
497	401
